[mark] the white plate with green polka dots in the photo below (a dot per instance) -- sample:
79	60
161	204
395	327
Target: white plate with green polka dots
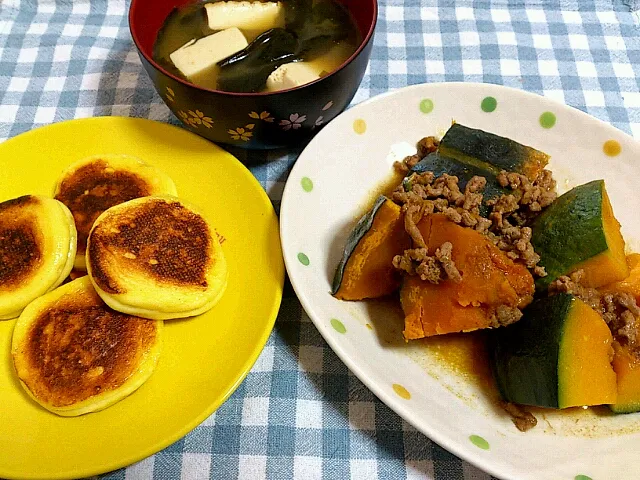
337	176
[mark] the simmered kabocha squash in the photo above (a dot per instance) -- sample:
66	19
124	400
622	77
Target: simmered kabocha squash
439	164
366	269
491	152
631	284
431	309
625	363
558	355
579	231
627	368
489	280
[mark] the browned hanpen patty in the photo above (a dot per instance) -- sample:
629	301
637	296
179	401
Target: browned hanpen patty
162	239
94	188
20	242
79	348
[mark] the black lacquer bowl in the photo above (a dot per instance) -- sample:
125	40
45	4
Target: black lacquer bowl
253	120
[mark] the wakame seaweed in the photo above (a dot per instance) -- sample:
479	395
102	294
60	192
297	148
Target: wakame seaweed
247	70
311	30
305	38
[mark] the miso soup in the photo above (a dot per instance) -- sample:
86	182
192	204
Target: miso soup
256	46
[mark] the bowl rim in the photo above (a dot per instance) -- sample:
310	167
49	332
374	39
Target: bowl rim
132	30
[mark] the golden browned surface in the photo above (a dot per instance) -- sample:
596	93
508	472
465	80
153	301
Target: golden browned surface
80	348
161	239
94	188
20	248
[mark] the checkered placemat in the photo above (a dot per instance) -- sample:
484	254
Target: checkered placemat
300	413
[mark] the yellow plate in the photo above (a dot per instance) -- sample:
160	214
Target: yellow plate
204	359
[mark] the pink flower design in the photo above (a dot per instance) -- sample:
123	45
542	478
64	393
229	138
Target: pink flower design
327	106
295	121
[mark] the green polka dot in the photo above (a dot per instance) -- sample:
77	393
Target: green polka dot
307	184
426	105
338	326
303	259
479	442
582	477
547	120
489	104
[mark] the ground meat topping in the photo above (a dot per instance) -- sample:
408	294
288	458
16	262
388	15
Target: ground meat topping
504	315
571	284
442	194
406	164
473	194
516	242
428	145
507	223
622	314
413	213
522	419
430	268
405	262
532	196
619	309
425	146
443	254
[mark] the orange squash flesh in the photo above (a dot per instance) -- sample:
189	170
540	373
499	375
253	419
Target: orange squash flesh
585	374
557	355
627	368
369	272
610	265
579	231
489	279
631	284
433	310
625	364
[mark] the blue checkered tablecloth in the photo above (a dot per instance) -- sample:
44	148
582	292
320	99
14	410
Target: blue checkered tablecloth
300	413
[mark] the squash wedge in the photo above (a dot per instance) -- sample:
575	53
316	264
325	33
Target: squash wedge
489	279
579	231
557	356
491	152
630	284
366	269
627	368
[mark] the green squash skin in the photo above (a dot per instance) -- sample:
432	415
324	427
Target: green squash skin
524	355
626	408
570	231
488	151
362	227
440	164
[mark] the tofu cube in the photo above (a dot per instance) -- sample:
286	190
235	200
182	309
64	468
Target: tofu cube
253	18
197	60
291	75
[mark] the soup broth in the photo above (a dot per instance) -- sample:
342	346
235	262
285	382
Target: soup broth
256	46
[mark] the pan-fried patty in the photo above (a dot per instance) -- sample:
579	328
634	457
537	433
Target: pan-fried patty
95	184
